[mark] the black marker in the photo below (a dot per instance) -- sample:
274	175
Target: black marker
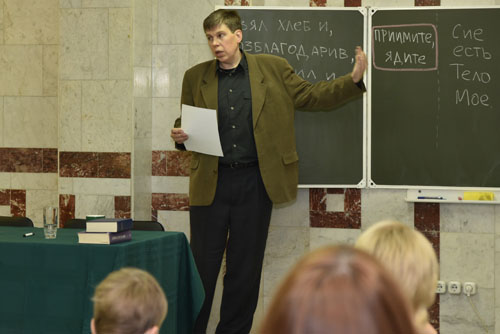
29	234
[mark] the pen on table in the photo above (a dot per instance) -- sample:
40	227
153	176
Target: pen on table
29	234
430	197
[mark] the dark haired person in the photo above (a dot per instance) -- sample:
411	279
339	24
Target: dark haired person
255	97
338	290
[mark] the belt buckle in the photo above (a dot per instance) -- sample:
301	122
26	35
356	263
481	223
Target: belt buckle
234	165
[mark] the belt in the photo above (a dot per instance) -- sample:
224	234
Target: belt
238	165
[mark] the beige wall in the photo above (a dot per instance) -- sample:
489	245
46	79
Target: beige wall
105	76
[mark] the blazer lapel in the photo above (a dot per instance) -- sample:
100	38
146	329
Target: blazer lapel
209	87
257	86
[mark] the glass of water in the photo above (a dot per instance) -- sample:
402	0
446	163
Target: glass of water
50	222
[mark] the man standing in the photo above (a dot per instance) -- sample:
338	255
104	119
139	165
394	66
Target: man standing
231	197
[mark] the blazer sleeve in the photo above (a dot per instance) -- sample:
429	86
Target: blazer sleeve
321	95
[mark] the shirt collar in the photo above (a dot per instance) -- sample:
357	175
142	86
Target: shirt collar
243	65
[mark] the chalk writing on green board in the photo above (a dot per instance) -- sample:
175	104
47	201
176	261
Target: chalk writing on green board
405	47
470	45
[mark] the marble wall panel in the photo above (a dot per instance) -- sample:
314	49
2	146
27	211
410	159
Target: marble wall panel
2	131
165	111
5	197
18	202
50	69
65	185
70	3
66	208
36	200
31	21
143	41
142	205
388	3
32	181
155	4
170	184
106	116
458	316
198	53
178	163
5	210
168	201
143	118
497	277
123	206
120	43
83	48
78	164
468	257
30	122
142	159
335	3
49	160
91	186
295	214
114	165
5	181
285	246
467	3
288	3
1	25
382	204
21	69
321	237
169	64
21	160
143	82
183	24
497	219
94	205
350	217
70	115
175	221
467	218
335	202
159	163
106	3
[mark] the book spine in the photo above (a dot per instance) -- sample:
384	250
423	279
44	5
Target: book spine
120	237
124	225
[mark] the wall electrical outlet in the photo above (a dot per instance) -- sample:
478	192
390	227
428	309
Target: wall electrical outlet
454	287
441	287
470	288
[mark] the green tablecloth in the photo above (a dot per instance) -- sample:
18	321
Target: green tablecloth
46	285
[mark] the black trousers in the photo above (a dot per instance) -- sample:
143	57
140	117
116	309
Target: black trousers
239	220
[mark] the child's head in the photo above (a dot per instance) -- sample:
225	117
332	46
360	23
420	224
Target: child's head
410	257
128	301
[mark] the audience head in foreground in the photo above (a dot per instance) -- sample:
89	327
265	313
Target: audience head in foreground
128	301
338	290
410	257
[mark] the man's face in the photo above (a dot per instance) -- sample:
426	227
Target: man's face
224	45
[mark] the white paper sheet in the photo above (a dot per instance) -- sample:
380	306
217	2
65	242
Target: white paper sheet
200	125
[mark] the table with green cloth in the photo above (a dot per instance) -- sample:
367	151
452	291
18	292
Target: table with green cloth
46	285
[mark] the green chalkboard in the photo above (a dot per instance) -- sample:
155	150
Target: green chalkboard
435	97
319	44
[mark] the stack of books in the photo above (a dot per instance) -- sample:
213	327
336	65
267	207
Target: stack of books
106	231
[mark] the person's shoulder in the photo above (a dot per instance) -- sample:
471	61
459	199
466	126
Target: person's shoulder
201	67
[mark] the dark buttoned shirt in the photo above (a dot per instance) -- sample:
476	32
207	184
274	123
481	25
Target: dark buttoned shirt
235	114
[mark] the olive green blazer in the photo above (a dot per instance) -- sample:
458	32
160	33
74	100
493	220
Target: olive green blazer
276	92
